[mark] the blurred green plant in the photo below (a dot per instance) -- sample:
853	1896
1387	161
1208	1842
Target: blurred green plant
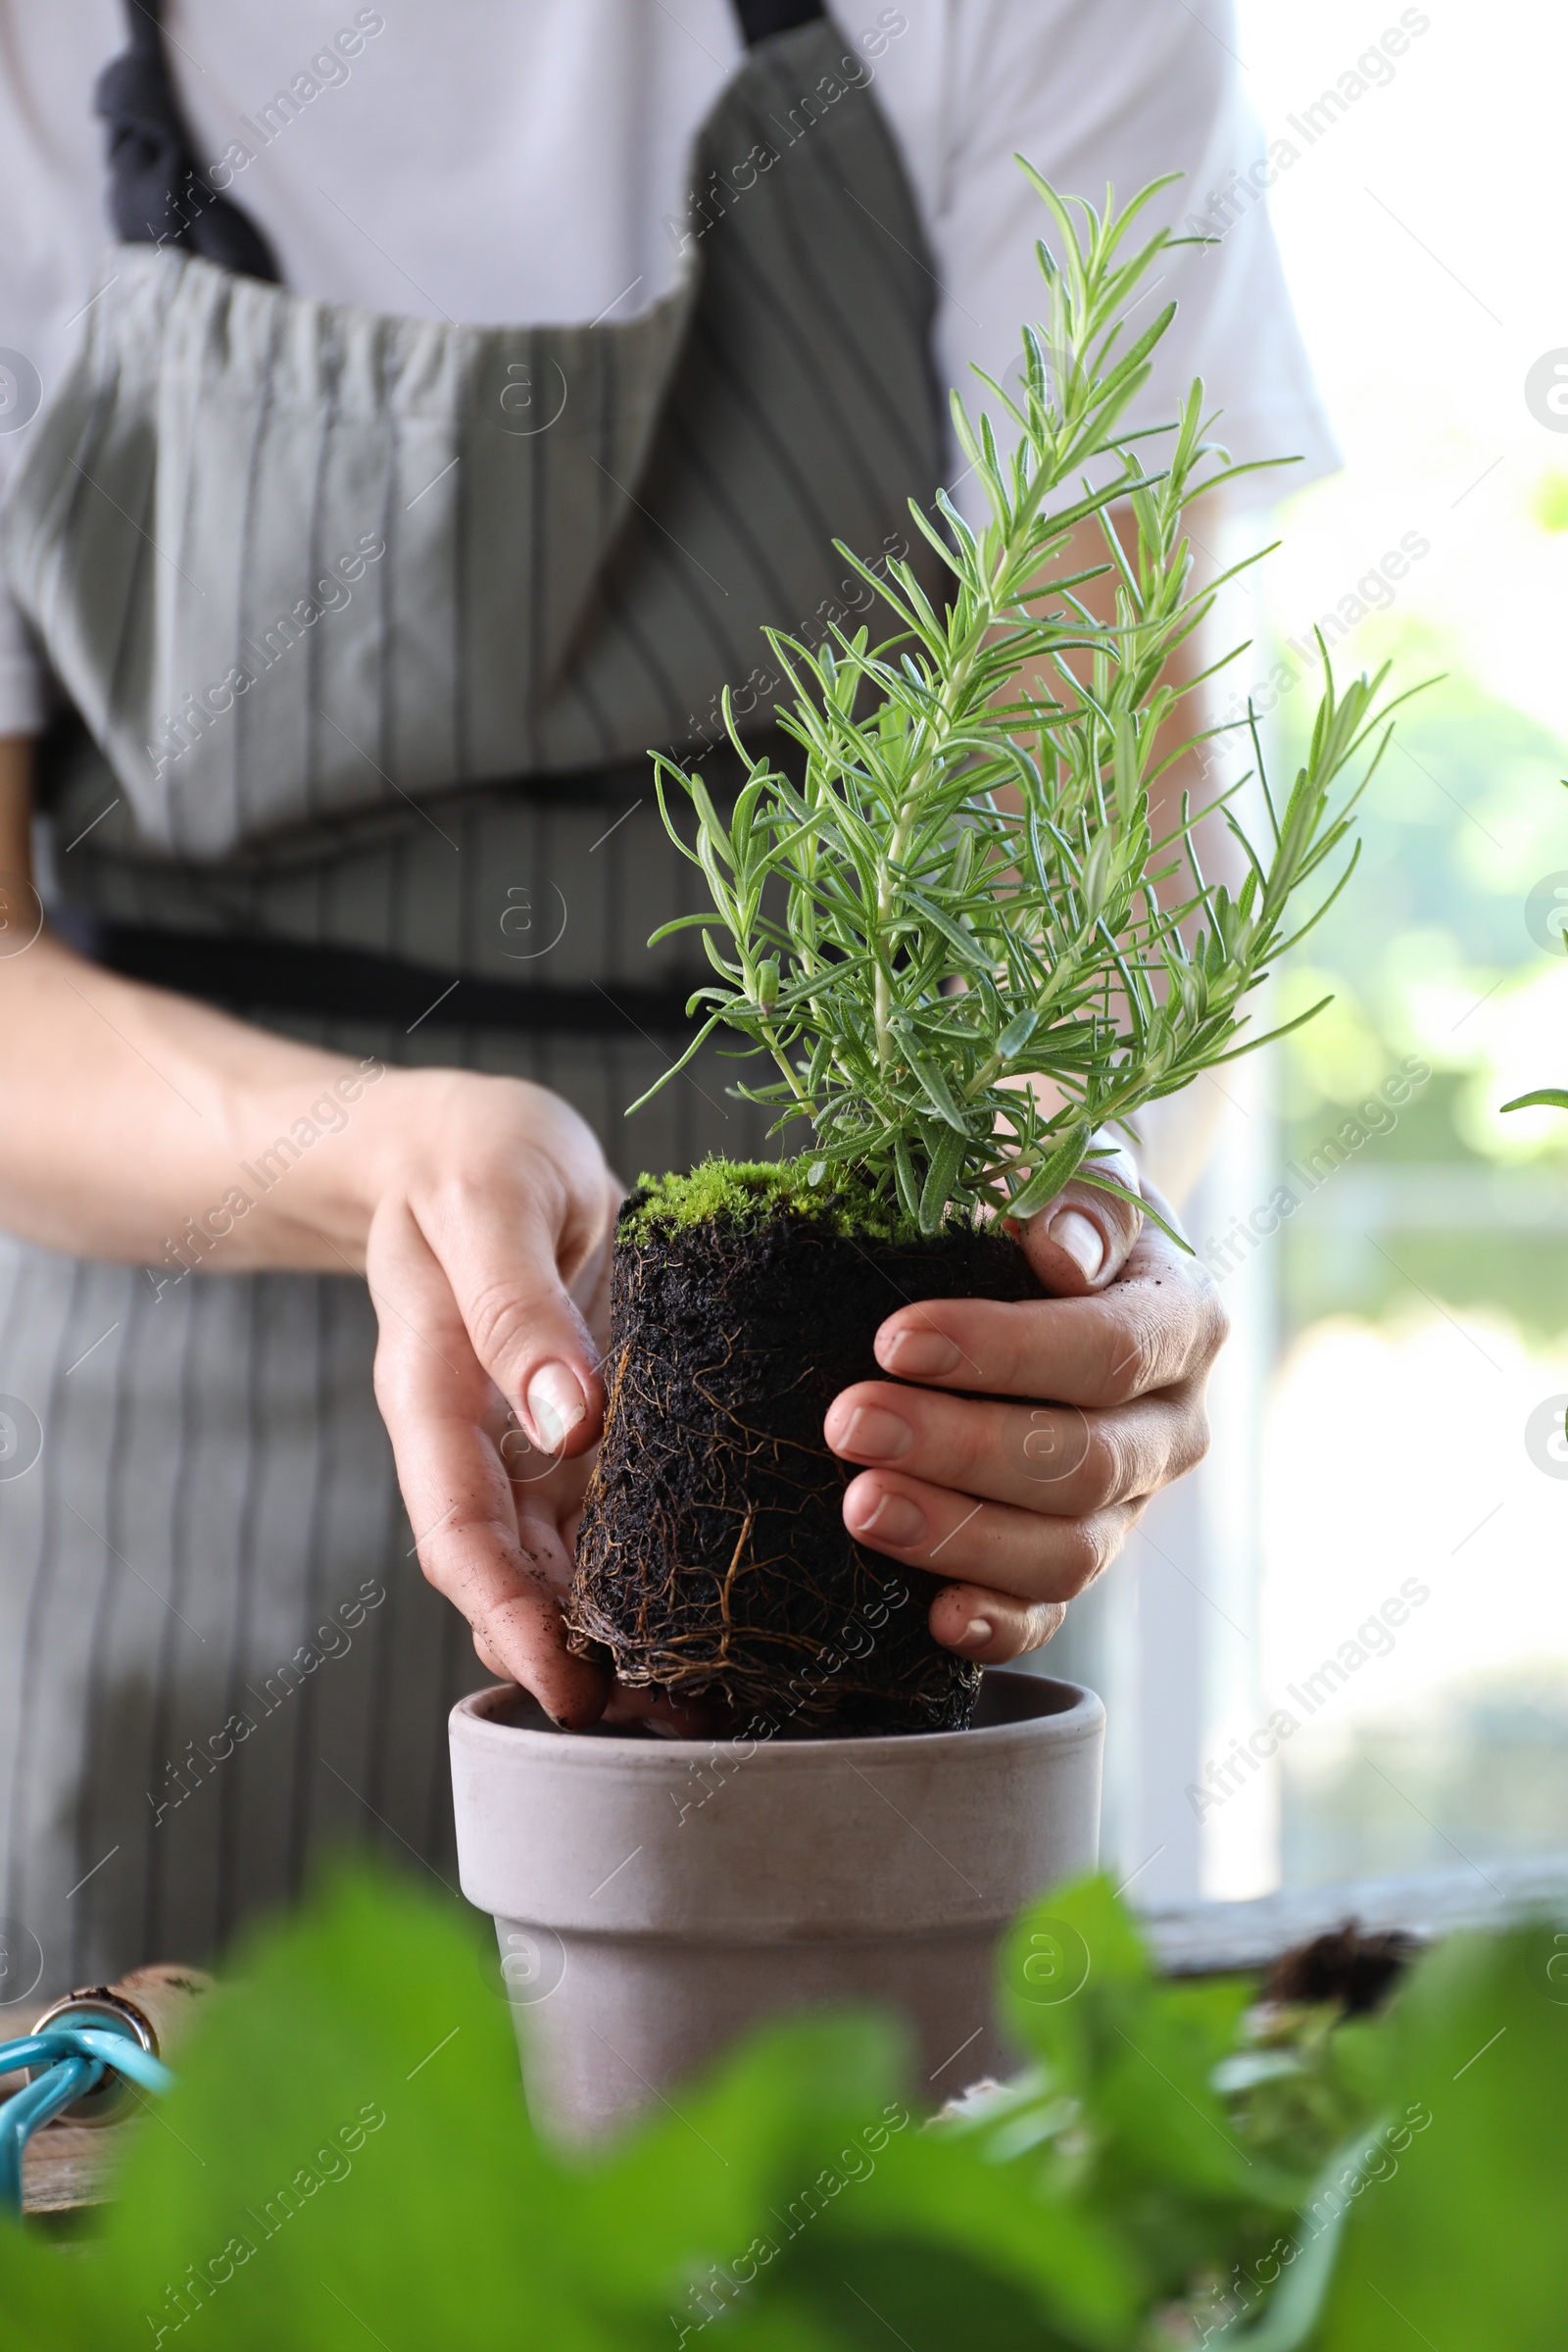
1458	828
348	2156
1548	502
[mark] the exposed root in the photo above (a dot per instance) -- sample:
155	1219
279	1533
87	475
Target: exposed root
713	1561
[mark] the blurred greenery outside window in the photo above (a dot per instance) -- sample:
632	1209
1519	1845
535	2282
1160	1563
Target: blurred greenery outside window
1447	949
1414	1422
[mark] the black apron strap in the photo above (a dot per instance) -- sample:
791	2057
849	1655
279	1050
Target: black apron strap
761	19
157	193
259	977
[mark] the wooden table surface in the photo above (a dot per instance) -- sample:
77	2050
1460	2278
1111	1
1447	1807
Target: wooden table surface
70	2166
1207	1939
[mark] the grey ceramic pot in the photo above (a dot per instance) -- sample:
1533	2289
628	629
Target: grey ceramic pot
655	1897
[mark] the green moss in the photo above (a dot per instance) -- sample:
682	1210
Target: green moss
750	1192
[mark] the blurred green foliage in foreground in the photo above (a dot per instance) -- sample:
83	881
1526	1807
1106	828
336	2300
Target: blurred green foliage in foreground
348	2158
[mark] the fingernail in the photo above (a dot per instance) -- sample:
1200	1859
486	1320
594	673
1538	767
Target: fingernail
917	1355
893	1519
876	1437
977	1633
1073	1231
555	1404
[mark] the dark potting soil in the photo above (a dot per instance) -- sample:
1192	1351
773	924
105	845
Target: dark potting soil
1350	1966
713	1561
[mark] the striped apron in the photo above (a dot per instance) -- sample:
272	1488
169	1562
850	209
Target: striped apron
363	626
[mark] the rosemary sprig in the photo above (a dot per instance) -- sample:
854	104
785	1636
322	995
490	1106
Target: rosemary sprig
960	890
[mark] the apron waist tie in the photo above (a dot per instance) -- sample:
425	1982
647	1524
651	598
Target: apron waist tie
250	973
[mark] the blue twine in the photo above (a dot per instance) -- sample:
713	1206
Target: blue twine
75	2059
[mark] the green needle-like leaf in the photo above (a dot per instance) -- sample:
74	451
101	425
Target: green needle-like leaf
969	877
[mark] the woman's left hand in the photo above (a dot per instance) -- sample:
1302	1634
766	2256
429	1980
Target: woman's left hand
1023	1504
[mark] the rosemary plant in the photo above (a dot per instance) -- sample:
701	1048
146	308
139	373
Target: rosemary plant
961	892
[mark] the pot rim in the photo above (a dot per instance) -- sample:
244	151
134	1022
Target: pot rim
474	1720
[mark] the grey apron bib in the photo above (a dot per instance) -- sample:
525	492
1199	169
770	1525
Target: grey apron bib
363	627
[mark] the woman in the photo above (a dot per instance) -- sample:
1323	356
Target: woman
340	619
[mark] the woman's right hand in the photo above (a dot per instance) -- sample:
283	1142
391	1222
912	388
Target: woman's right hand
487	1255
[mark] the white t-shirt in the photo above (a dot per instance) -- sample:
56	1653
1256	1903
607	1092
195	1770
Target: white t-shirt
522	161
